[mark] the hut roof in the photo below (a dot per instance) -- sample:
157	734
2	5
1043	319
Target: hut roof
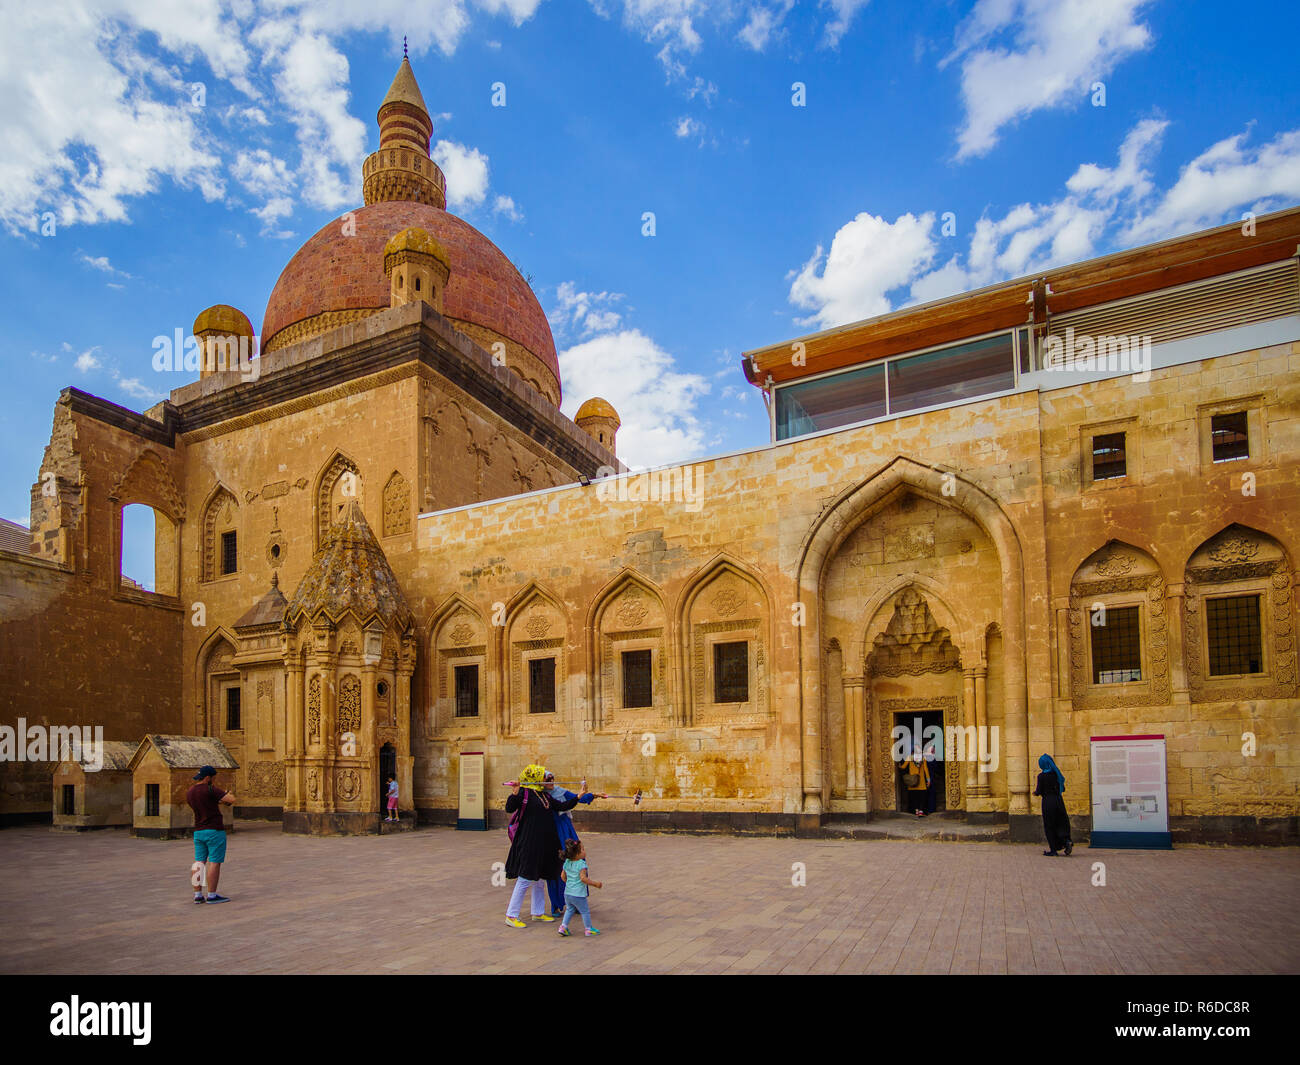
186	752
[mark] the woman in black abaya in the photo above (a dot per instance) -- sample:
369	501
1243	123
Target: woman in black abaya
534	856
1056	822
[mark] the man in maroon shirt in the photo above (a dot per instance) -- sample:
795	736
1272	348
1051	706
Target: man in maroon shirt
206	800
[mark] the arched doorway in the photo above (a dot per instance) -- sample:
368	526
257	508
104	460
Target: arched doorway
913	683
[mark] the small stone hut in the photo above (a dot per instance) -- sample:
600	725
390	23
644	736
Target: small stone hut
162	771
86	797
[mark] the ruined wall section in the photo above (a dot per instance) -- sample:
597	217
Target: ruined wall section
75	646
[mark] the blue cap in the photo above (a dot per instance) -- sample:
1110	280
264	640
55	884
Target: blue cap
205	771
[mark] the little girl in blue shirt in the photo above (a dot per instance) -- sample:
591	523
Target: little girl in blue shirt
576	883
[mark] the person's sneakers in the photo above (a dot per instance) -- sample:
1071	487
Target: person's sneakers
543	917
515	922
198	897
565	932
593	931
1049	854
1069	846
218	898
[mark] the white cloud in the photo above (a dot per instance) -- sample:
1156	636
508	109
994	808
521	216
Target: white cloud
101	263
134	387
505	205
688	127
763	24
869	258
656	403
88	361
99	106
1227	176
584	313
86	129
1019	56
466	170
843	10
875	266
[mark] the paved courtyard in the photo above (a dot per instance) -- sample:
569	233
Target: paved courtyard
423	902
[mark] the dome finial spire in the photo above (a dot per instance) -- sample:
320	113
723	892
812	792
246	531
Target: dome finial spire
401	169
403	46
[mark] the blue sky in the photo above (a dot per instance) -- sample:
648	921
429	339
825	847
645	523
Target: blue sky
771	220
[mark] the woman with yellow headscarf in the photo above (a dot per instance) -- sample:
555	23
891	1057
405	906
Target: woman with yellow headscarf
534	856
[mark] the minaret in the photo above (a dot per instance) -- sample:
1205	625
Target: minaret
401	169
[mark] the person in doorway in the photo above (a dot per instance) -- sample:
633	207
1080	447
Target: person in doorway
931	756
1056	821
916	779
534	856
566	832
206	800
392	799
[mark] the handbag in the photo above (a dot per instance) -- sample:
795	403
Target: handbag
515	817
911	780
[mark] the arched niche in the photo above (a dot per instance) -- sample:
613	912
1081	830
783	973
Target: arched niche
628	638
458	674
1239	618
215	675
338	483
397	505
726	628
536	653
1119	632
220	520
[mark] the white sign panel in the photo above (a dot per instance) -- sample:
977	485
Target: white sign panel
1129	789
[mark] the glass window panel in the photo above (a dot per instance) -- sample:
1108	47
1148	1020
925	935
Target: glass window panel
829	402
951	374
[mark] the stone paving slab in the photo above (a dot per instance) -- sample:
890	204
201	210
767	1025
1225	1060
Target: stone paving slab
423	902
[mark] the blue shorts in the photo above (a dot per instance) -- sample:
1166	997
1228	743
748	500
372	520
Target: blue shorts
209	845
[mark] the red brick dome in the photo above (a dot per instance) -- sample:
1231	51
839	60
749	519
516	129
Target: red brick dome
337	272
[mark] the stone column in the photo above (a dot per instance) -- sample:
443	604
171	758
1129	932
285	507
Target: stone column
971	720
813	710
295	727
1179	690
855	736
982	723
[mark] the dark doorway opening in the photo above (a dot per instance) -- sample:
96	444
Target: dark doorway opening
387	768
925	730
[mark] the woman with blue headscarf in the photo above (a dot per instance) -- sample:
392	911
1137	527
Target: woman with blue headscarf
1056	822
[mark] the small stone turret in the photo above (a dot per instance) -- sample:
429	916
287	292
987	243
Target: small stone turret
226	336
417	267
599	420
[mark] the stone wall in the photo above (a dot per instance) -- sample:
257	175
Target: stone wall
984	508
75	646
